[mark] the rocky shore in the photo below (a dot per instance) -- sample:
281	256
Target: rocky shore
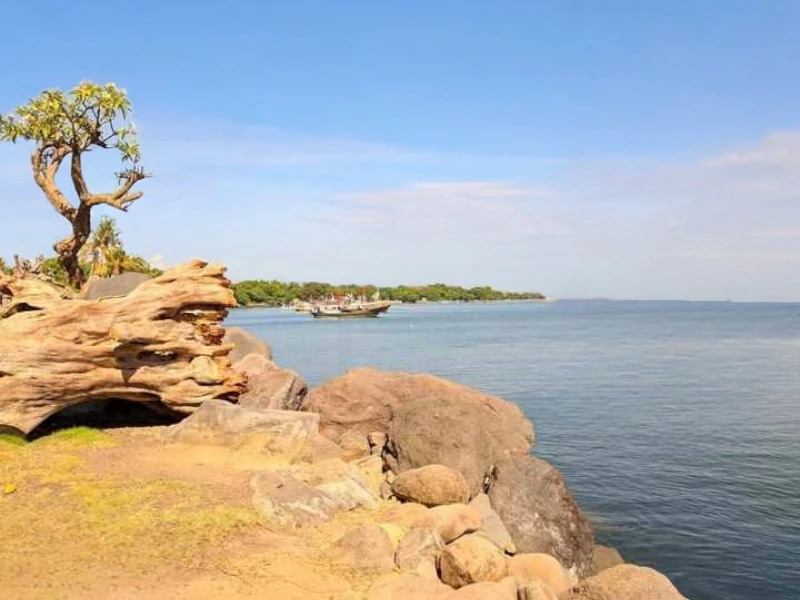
450	501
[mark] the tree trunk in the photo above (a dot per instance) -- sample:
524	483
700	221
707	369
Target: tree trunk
162	342
69	248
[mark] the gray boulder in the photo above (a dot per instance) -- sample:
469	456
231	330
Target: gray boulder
114	287
541	515
270	386
458	427
217	422
244	343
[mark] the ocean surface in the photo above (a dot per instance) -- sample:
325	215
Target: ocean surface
676	424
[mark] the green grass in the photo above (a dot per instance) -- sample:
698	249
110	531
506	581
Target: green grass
12	439
79	436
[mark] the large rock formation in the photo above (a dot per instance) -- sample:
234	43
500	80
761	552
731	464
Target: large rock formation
540	513
160	343
458	427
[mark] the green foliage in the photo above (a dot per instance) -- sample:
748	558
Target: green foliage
4	268
79	435
276	293
12	439
90	114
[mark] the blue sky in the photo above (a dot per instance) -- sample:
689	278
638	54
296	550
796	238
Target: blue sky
582	148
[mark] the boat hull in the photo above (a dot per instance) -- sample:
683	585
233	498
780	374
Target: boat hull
361	312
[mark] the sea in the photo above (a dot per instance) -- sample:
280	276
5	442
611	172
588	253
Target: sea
675	424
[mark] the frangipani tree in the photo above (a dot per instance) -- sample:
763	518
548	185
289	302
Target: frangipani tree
68	125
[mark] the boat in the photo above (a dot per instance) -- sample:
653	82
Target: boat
350	309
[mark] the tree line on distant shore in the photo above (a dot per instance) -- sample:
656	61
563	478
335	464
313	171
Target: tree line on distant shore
277	293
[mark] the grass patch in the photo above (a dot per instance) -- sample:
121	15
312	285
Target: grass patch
12	439
79	436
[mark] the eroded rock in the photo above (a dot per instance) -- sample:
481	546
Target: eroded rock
529	568
418	551
366	548
624	582
451	521
471	559
492	527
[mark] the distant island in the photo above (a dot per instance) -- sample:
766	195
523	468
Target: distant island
279	293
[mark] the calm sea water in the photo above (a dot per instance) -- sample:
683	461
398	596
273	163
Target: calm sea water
676	425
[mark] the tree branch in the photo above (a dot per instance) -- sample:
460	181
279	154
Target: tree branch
121	198
45	162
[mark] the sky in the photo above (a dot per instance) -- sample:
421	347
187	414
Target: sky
582	148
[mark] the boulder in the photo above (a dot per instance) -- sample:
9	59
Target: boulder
365	548
535	590
113	287
218	422
418	552
529	568
492	527
605	557
404	515
269	386
471	559
323	449
540	513
343	483
450	521
285	502
372	468
354	445
505	589
432	485
452	425
624	582
377	442
365	400
244	343
409	587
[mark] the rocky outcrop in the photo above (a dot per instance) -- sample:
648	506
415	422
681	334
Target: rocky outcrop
270	386
471	559
432	485
245	343
450	521
218	422
624	582
540	513
461	428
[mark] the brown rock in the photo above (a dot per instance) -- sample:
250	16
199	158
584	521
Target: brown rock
323	449
624	582
269	386
605	557
535	590
492	527
471	559
365	400
461	428
528	568
354	445
540	513
409	587
244	343
377	442
419	546
451	521
432	485
366	548
505	589
404	515
288	503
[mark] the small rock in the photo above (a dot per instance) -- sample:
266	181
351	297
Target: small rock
471	559
244	343
505	589
418	546
342	482
535	590
409	587
377	442
528	568
348	494
605	557
451	521
432	485
288	503
624	582
270	386
366	548
404	515
492	527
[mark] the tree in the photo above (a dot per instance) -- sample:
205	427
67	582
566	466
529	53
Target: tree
103	249
70	125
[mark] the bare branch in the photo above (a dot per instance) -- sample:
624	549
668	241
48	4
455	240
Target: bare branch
120	198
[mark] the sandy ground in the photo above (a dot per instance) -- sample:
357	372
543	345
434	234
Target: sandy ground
119	514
